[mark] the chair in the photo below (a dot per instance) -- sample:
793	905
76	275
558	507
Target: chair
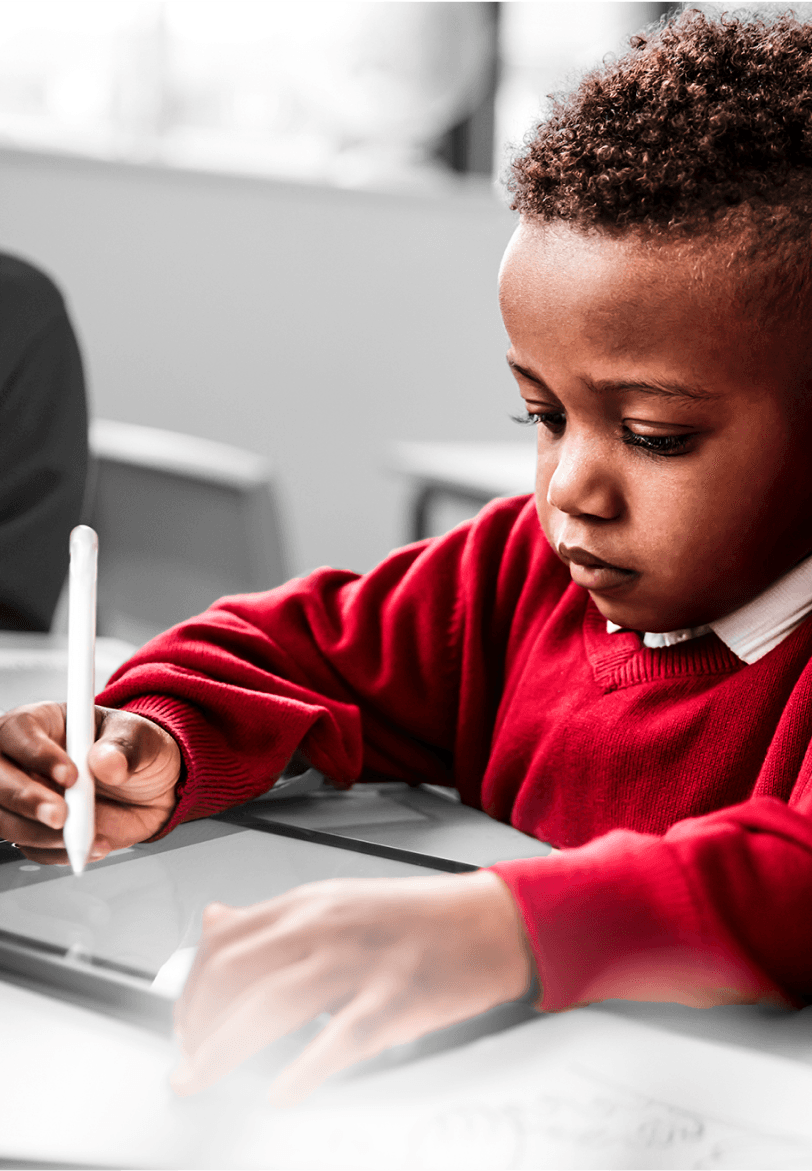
181	522
464	475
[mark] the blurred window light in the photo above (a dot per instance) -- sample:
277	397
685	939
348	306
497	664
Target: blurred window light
803	11
353	92
545	45
349	92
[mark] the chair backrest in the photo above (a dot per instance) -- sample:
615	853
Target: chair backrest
181	521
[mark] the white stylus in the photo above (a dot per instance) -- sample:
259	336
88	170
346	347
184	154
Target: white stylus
81	721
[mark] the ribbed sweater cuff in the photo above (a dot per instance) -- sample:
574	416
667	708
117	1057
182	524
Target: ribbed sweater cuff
199	793
616	919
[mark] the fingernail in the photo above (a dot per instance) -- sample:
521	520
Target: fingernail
182	1078
100	850
49	815
282	1096
61	774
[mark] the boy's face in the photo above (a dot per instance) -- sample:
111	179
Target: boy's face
674	470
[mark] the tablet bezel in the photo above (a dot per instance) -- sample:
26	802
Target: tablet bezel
110	988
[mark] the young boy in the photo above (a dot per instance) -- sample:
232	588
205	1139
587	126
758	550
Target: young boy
620	667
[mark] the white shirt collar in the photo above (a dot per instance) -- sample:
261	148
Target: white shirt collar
755	628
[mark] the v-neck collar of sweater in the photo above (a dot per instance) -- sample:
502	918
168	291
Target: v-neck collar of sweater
621	660
754	629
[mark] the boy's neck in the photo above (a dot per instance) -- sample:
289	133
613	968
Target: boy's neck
755	628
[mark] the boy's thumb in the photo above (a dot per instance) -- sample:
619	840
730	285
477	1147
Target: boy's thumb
108	761
116	752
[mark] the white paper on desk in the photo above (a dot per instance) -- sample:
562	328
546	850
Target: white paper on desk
580	1090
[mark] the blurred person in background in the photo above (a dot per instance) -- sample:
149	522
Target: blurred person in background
43	444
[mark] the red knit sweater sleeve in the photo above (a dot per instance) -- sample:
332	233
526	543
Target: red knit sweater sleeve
358	672
400	672
715	911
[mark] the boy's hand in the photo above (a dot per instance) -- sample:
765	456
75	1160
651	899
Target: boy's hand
135	763
391	959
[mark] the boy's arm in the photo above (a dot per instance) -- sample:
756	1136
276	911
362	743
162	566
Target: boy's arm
714	912
364	675
256	678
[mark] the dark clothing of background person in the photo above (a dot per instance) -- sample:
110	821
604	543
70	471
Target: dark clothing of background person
43	444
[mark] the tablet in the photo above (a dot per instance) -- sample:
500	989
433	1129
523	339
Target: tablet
121	936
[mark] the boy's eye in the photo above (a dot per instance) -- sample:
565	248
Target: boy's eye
668	445
658	444
554	421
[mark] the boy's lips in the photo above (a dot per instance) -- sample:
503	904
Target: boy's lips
593	573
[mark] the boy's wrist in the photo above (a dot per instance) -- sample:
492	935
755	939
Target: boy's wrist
505	926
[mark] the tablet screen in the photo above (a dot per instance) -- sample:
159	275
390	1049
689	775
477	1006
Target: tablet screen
138	912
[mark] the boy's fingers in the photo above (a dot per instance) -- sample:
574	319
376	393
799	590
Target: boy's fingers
268	1011
119	825
239	946
35	770
24	832
213	914
45	857
28	737
363	1029
216	913
225	979
29	798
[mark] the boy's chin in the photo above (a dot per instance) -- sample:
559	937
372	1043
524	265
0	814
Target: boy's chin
646	619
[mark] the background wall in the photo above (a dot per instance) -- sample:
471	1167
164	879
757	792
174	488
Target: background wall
308	324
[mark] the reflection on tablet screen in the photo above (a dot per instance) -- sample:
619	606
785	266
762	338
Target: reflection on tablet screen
139	911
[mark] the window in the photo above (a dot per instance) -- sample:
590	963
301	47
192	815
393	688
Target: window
352	92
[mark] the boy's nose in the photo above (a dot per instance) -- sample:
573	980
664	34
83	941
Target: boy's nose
582	482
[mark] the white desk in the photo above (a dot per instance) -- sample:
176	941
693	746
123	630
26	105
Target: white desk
585	1089
35	666
621	1085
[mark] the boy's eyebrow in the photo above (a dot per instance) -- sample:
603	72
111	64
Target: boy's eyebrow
613	385
525	372
662	388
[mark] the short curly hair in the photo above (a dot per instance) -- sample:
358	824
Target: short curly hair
704	123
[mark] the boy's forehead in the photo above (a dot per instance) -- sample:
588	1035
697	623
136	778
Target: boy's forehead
673	303
726	272
553	273
556	268
543	250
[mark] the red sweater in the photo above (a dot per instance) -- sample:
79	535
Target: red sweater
677	782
